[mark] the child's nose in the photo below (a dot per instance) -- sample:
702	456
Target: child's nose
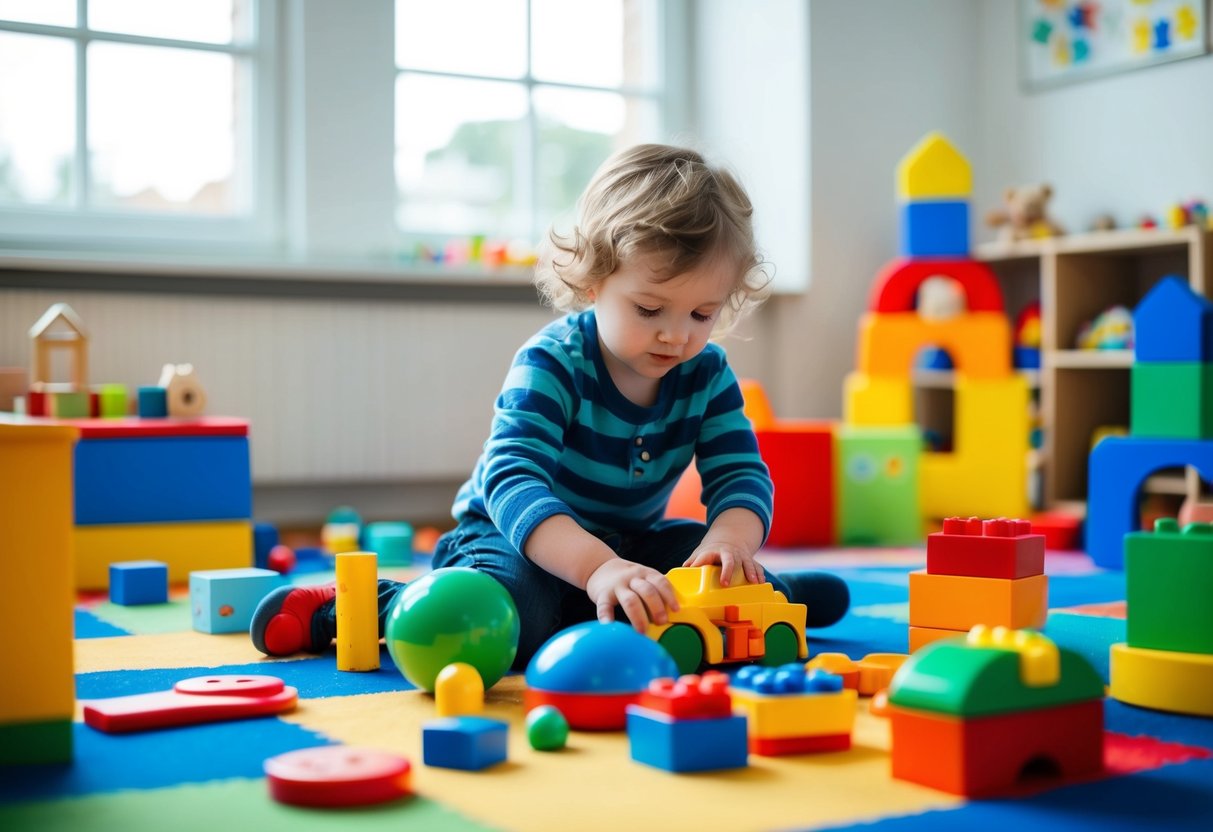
675	334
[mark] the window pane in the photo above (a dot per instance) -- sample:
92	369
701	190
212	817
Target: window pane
622	52
47	12
208	21
161	128
37	120
577	131
473	37
460	156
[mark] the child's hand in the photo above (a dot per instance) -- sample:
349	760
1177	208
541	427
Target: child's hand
729	556
643	592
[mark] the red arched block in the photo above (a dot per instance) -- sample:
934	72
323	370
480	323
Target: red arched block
897	284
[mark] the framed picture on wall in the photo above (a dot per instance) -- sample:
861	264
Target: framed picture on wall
1062	41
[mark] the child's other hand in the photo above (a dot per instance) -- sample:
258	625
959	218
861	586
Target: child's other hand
729	556
644	593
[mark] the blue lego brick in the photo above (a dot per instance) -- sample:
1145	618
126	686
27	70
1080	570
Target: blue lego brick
162	479
153	403
223	600
265	537
934	229
470	743
1118	468
1173	324
686	744
139	582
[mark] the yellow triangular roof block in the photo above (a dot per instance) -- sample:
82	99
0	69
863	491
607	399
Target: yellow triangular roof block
934	169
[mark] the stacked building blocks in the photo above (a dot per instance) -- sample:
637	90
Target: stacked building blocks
191	701
58	331
357	611
687	725
973	715
223	600
985	473
1171	414
36	573
1166	662
138	582
791	710
470	743
987	572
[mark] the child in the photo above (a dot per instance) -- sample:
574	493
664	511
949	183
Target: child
600	414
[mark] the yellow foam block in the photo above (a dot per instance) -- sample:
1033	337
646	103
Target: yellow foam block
979	343
960	602
934	169
775	717
357	611
769	794
986	474
922	636
1162	679
877	400
185	547
36	572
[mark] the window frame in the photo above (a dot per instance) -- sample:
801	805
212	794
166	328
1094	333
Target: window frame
81	225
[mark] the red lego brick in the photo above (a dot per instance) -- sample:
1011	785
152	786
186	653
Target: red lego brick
974	548
690	697
782	746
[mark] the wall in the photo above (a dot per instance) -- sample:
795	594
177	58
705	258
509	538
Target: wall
1126	144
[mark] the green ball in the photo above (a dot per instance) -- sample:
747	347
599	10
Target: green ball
546	728
452	615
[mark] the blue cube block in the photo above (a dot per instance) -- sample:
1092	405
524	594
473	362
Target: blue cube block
223	600
658	740
153	403
136	582
935	229
470	743
265	537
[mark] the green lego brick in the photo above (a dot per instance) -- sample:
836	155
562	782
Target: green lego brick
1170	587
34	743
1172	400
877	479
952	677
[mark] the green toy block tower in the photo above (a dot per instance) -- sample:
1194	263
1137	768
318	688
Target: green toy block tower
1170	587
878	485
1172	399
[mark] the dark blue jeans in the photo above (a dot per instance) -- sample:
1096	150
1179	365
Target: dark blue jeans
546	604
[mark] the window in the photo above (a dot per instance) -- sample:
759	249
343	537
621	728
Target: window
143	119
504	108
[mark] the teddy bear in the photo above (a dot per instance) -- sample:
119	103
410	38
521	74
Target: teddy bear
1024	215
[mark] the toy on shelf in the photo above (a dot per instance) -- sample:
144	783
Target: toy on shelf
454	614
184	396
687	725
741	622
337	775
58	330
791	710
1024	214
591	672
1166	662
1027	338
1193	212
193	700
973	715
1111	329
1171	414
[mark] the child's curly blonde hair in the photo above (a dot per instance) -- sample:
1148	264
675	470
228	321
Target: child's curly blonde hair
648	200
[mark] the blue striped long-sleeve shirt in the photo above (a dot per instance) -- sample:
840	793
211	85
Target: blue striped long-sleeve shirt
564	440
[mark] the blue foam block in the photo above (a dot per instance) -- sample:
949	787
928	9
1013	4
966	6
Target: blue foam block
135	582
470	743
934	228
1173	323
223	600
660	741
162	479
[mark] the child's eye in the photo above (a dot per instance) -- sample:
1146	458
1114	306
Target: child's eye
645	312
702	318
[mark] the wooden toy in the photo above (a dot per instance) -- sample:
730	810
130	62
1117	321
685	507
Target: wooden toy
972	715
334	776
458	690
357	611
223	600
184	396
193	700
139	582
14	383
687	725
59	329
470	743
741	622
36	573
793	711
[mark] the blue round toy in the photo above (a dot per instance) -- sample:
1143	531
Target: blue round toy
598	658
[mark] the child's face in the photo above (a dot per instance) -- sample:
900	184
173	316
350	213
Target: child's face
648	326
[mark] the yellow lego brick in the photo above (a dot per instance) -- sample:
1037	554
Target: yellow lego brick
796	715
959	602
922	636
934	169
880	400
357	611
979	343
1162	679
1039	660
185	547
36	574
